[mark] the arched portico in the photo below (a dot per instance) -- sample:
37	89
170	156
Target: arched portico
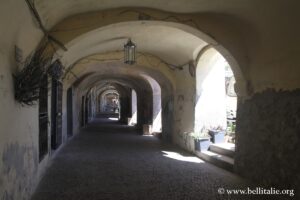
176	42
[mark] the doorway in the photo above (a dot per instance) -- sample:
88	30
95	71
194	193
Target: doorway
70	112
56	114
43	118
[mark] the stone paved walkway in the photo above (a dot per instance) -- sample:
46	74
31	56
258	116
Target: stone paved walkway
113	162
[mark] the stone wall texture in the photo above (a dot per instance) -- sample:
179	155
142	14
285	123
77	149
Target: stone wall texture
268	139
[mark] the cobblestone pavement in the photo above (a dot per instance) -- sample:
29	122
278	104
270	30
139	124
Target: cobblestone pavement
114	162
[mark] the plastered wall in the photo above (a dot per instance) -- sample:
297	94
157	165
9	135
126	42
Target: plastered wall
19	165
184	105
210	108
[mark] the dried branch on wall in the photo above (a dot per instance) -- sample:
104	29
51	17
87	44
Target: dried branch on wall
28	81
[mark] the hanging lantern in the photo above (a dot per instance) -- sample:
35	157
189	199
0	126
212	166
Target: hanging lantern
129	52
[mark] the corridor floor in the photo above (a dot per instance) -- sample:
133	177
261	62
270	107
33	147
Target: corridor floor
112	161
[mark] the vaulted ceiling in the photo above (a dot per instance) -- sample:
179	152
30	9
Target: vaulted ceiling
264	21
171	44
257	33
56	10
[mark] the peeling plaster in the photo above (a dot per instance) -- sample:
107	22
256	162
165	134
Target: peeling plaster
19	167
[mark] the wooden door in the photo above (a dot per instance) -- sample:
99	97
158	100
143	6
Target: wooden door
70	112
43	119
56	114
86	111
82	111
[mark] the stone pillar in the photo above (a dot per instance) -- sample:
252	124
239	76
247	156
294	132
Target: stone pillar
147	129
125	109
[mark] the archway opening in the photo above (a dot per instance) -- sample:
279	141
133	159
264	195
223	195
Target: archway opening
159	61
112	100
216	100
109	103
156	126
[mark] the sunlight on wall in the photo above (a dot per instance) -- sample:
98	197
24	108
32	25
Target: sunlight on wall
133	119
156	127
156	124
156	121
210	108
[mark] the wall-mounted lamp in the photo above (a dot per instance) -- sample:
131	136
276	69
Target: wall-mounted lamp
129	52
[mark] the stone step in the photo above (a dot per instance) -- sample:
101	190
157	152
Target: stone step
221	161
223	149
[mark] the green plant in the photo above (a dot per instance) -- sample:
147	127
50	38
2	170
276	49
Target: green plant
202	134
231	129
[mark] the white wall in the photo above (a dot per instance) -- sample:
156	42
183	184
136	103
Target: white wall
184	108
210	108
19	162
133	119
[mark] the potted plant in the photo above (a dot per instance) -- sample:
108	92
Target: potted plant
217	134
201	140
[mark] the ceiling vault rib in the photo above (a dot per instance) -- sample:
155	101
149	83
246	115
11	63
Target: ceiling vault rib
36	15
146	16
202	51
